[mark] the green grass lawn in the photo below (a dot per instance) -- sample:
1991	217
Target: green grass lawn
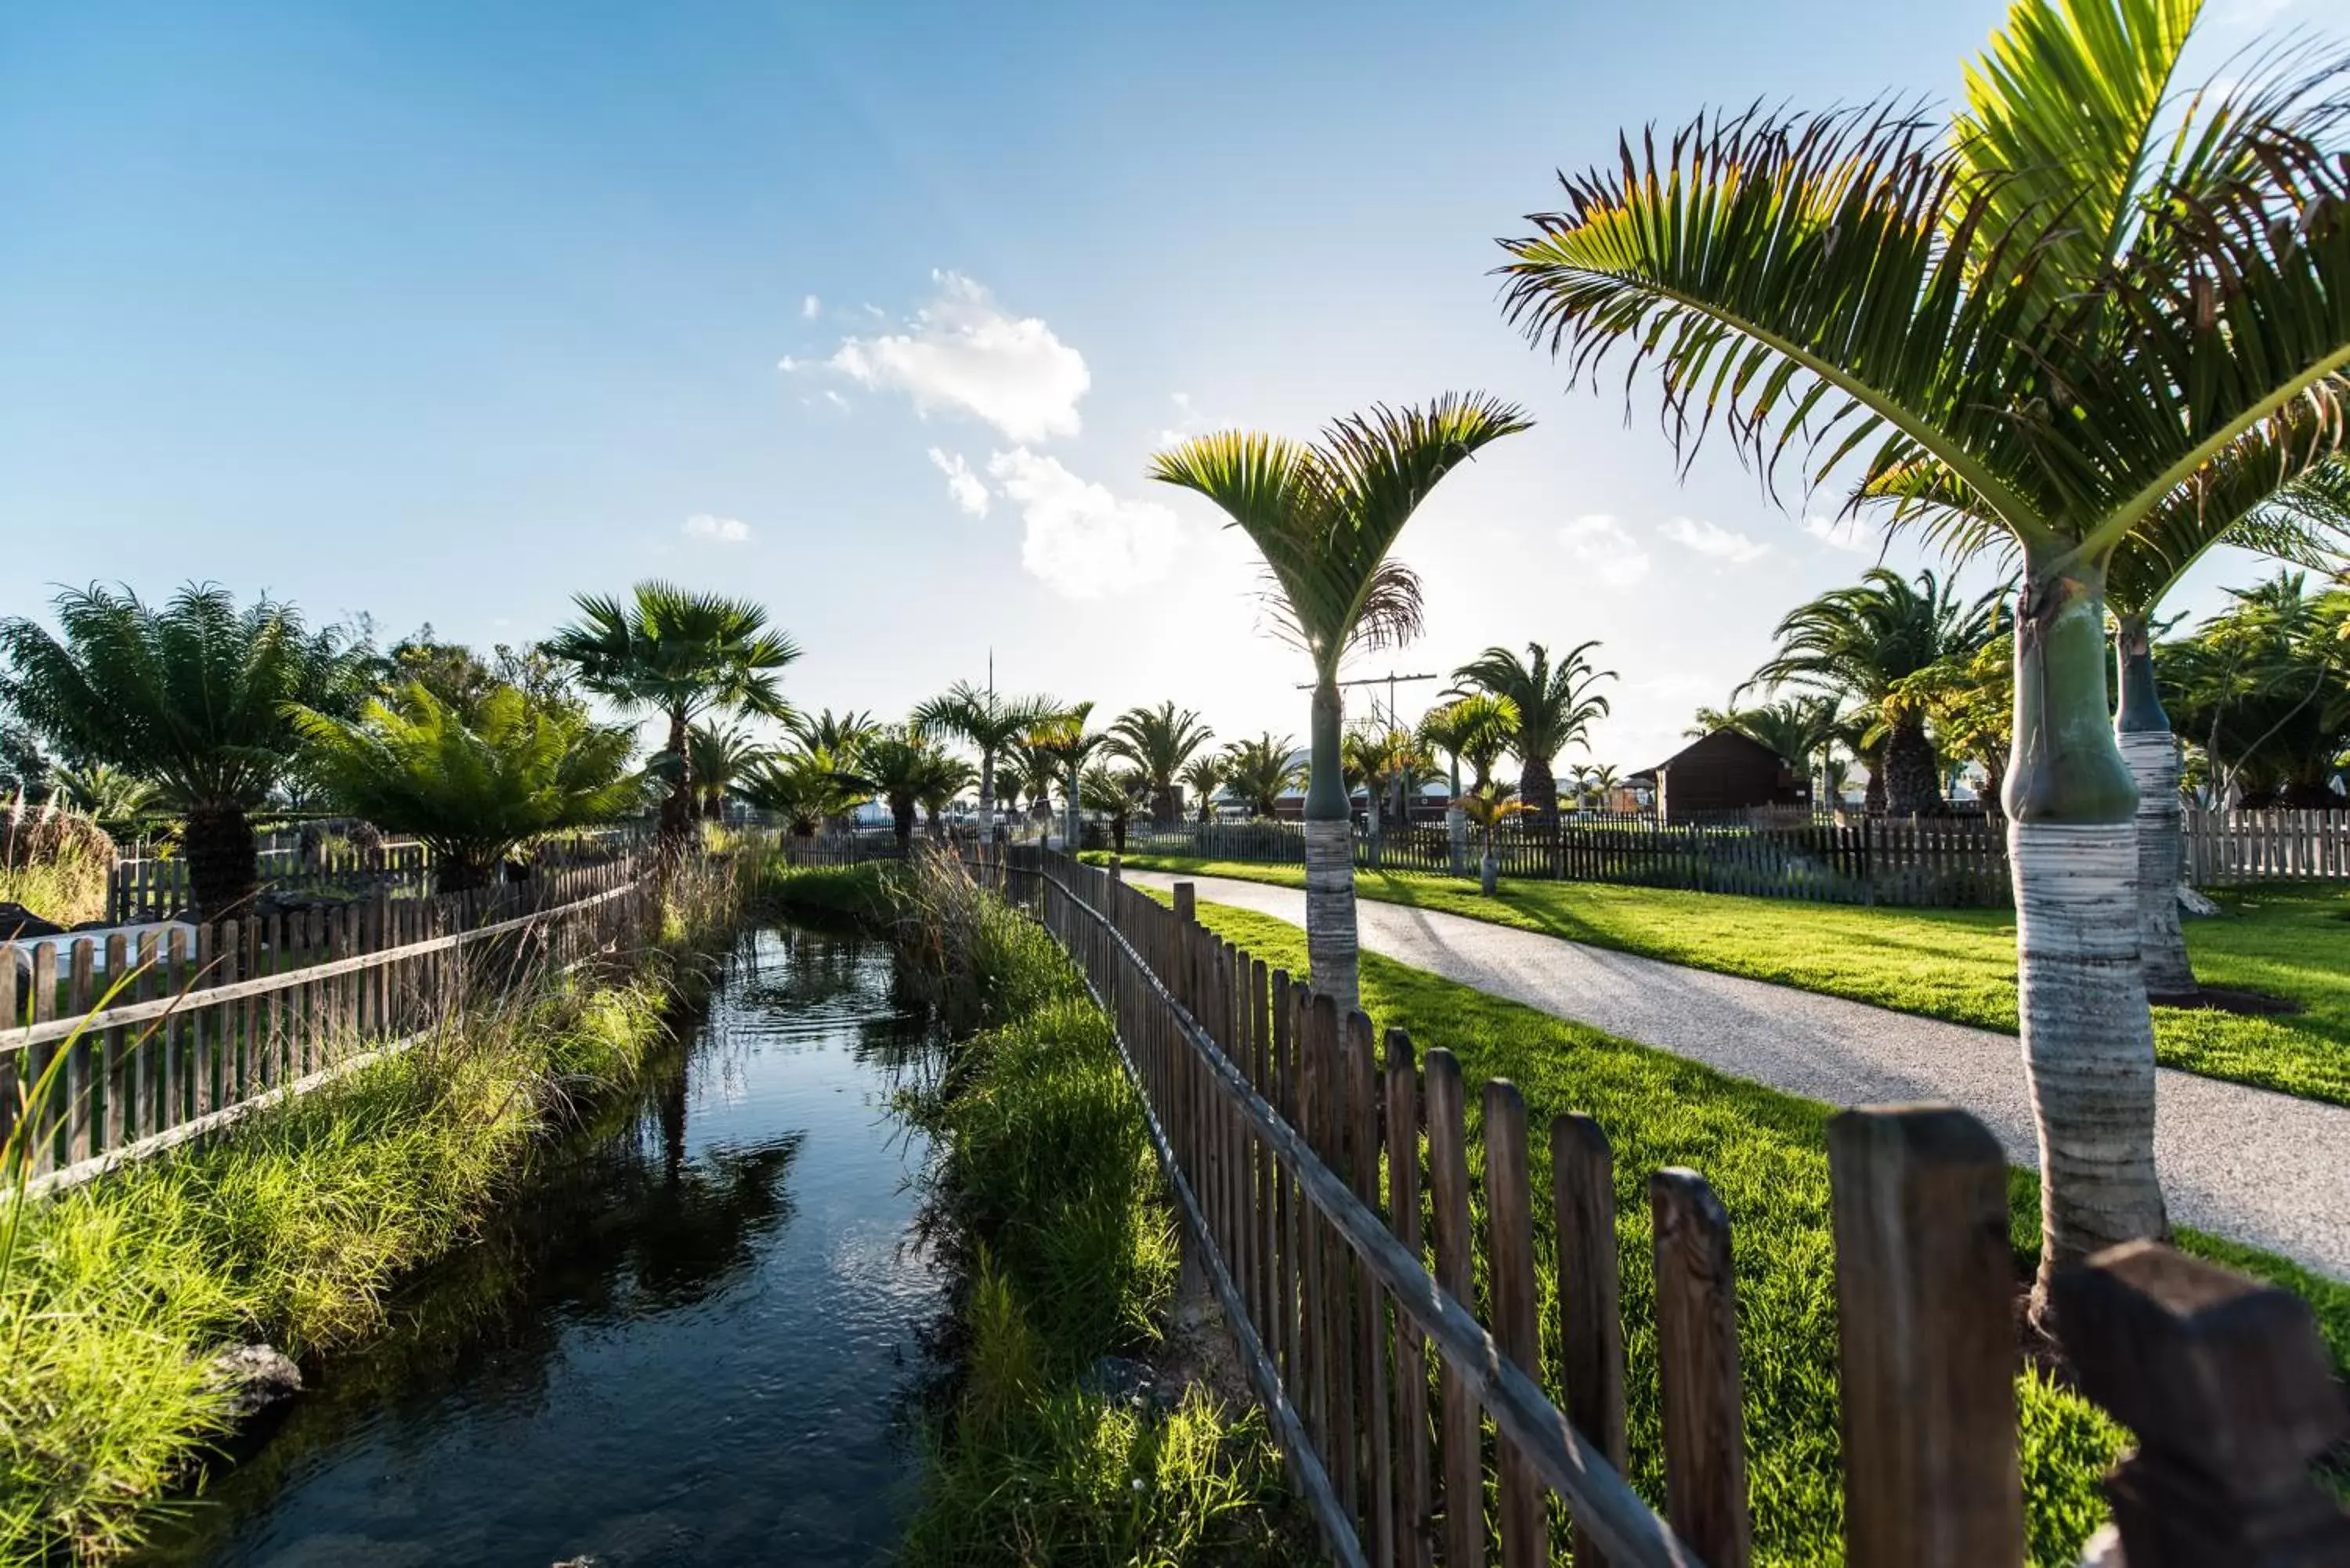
1766	1154
1960	964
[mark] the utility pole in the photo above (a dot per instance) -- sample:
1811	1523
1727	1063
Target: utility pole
1393	717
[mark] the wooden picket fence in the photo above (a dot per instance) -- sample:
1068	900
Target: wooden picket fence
171	1030
151	888
2277	846
1323	1173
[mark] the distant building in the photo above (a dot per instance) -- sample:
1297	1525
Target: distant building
1725	771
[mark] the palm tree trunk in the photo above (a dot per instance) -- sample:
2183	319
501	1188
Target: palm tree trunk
1913	783
901	816
1538	787
2088	1040
986	804
2142	731
1331	942
222	866
676	811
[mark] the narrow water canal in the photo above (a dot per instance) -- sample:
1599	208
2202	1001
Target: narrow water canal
693	1339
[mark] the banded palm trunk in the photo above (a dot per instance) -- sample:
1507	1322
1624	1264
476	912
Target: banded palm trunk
2088	1041
986	804
2142	731
1332	946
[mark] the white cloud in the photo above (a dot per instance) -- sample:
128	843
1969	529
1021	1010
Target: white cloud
1079	539
809	306
1600	542
965	486
962	353
1841	533
716	530
836	400
1711	539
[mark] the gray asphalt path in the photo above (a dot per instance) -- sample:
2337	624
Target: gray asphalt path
2240	1162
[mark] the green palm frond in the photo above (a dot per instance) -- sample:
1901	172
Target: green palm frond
1325	515
675	651
1556	701
1854	282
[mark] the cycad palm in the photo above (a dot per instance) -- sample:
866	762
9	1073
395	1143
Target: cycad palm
718	757
2073	308
991	722
903	769
473	783
1325	516
682	655
190	695
1557	702
1159	742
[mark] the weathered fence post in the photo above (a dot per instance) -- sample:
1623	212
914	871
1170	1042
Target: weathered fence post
2232	1395
1590	1311
1696	1353
1925	1290
1187	903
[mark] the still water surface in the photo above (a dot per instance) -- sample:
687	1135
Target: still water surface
693	1339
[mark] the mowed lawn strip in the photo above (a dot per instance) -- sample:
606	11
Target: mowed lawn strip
1766	1154
2286	941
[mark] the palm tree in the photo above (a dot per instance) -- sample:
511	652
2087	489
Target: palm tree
903	769
2072	305
1035	772
718	757
476	783
1325	515
803	787
1159	740
1202	776
989	721
948	778
1066	745
1488	805
836	735
1475	729
1600	780
678	654
190	696
1260	771
1556	706
1860	644
1114	793
106	795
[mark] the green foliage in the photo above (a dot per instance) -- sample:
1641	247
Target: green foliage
1051	1206
1260	771
900	766
1556	702
190	695
1475	728
1159	742
474	788
292	1230
2263	687
803	787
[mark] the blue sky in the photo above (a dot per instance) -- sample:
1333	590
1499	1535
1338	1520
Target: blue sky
444	312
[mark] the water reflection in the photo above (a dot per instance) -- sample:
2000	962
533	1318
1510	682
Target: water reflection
687	1340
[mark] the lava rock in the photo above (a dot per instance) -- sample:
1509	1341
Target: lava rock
254	1376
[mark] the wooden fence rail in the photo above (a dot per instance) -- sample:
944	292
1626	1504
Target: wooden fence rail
166	1032
1324	1174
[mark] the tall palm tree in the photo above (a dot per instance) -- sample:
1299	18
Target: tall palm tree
682	655
1159	740
989	722
1325	516
1202	776
1475	729
189	695
718	756
1260	771
1067	745
2069	303
1860	645
474	781
2236	498
1556	703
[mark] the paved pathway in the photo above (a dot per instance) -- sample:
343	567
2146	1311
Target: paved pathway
2240	1162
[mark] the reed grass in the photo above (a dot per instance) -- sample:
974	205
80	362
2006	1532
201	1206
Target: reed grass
292	1228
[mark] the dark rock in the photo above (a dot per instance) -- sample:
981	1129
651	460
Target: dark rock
18	923
1123	1381
254	1377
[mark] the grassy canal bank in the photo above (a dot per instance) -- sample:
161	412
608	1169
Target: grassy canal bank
117	1297
1070	1436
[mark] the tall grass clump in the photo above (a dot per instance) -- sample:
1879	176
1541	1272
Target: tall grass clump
119	1293
1046	1201
68	889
